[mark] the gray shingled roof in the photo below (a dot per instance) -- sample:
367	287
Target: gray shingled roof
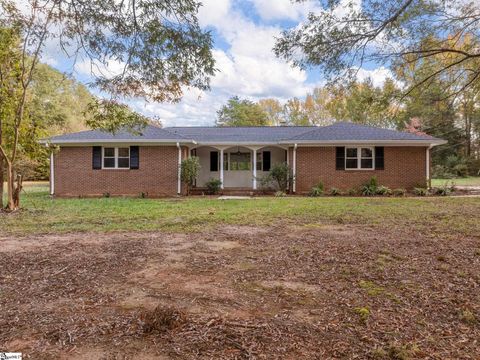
240	134
148	133
341	131
351	131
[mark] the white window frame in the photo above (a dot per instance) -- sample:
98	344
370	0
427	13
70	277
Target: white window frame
115	157
359	157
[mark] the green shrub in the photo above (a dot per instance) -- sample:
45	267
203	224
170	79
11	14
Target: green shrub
461	170
399	192
383	190
280	176
352	192
442	190
317	190
190	168
420	191
335	192
213	186
280	194
370	188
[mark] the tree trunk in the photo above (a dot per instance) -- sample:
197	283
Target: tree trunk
13	190
1	182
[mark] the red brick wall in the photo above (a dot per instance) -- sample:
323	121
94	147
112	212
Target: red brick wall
404	168
156	176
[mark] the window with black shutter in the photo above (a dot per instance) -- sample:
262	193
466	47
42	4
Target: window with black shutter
379	158
134	157
340	158
267	158
213	160
97	157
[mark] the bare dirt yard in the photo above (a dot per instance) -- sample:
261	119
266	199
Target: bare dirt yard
344	291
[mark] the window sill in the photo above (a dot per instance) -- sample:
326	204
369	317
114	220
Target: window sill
115	169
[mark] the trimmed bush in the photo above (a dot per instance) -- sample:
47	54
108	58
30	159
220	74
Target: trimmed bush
213	186
370	188
335	192
418	191
279	177
352	192
399	192
317	190
383	190
442	190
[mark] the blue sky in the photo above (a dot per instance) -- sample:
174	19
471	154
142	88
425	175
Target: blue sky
244	33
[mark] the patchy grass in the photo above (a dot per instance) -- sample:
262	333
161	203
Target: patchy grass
42	214
467	181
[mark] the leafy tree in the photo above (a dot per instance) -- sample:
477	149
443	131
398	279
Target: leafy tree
239	112
274	111
158	43
190	168
295	114
381	32
364	103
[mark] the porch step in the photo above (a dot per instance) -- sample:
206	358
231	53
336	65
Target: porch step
230	191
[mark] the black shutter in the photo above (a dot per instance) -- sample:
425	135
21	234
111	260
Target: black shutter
340	158
134	157
213	160
97	158
379	158
267	157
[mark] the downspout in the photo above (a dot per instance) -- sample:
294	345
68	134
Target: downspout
179	172
294	186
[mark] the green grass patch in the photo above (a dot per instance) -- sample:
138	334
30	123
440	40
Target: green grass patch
467	181
42	214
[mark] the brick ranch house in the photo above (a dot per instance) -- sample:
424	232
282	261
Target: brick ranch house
342	155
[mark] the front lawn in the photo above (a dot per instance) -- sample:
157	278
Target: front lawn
42	214
201	278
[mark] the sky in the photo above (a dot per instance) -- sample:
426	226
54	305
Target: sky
244	34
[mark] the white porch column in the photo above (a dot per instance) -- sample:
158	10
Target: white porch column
254	169
288	164
294	170
221	167
427	166
52	174
179	176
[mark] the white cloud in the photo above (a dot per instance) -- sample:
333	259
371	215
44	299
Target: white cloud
109	69
378	75
284	9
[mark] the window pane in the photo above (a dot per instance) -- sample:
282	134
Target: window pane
109	152
240	161
259	166
123	152
367	153
109	162
225	161
352	152
123	162
367	163
351	164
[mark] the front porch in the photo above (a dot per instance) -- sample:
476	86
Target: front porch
239	168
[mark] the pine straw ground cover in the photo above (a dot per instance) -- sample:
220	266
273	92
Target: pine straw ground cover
324	286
